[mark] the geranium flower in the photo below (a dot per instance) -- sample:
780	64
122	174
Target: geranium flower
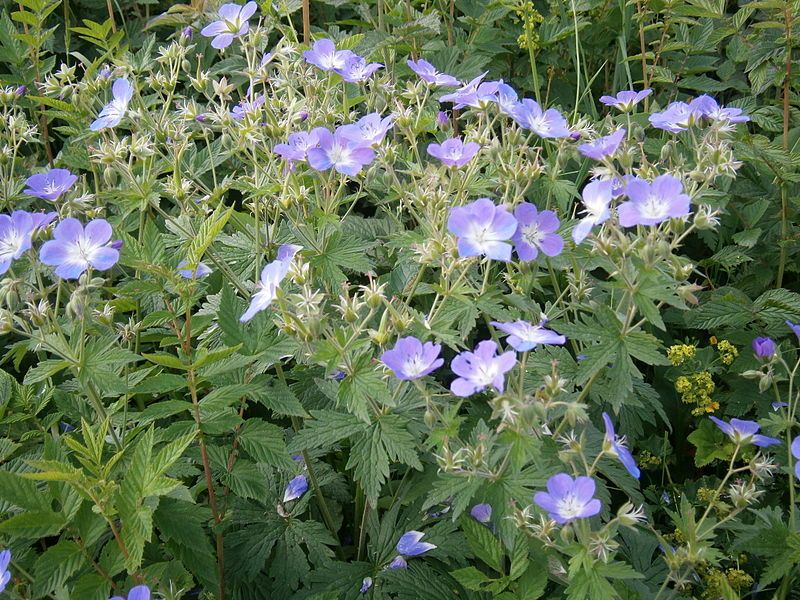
73	249
427	72
653	202
744	432
795	452
507	98
482	513
454	152
465	92
296	488
339	151
233	23
546	124
708	107
677	117
398	562
410	544
114	111
626	100
480	369
140	592
247	107
324	55
5	574
536	232
764	347
369	130
604	147
596	196
615	446
475	93
483	229
200	271
567	499
297	146
523	336
271	277
15	237
50	185
356	69
411	359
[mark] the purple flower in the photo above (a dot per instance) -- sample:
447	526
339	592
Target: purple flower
567	499
454	152
114	111
187	33
15	237
5	574
369	130
604	147
398	562
296	488
410	544
764	347
480	369
74	249
467	92
483	229
247	107
707	107
597	196
507	98
233	23
626	100
678	116
323	54
366	583
523	336
653	202
140	592
200	271
546	124
297	145
744	432
795	452
615	446
535	232
411	359
50	185
339	151
21	90
356	69
482	513
795	328
442	119
271	277
427	72
778	405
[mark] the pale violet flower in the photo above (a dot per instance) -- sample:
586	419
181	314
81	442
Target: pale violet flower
483	229
271	277
114	111
427	72
795	447
356	69
5	574
369	130
546	124
410	544
615	446
567	499
139	592
411	359
325	56
481	369
454	152
596	196
232	23
653	202
15	237
50	185
337	150
604	147
626	100
744	432
296	488
536	232
200	271
74	249
524	336
482	513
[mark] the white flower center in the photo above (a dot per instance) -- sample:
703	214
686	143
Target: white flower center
569	506
532	234
10	244
339	154
484	373
654	208
52	187
415	365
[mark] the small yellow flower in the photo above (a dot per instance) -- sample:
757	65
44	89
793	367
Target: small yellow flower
727	352
680	353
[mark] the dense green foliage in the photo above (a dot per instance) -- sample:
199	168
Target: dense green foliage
149	436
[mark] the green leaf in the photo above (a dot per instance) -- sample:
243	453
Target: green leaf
363	383
710	443
470	577
55	565
209	230
33	524
22	492
483	543
326	428
264	442
44	370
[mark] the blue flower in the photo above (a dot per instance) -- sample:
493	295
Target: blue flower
296	488
615	446
369	130
626	100
15	237
480	369
271	276
795	452
744	432
411	359
5	574
233	23
50	185
324	55
200	271
764	347
140	592
483	229
337	150
795	328
653	202
365	585
410	544
481	513
398	562
545	123
523	336
604	147
73	249
567	499
114	111
356	69
428	73
596	196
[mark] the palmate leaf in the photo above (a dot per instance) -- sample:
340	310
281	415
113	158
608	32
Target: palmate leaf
326	429
54	566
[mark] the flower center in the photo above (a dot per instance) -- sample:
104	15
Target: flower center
415	365
532	234
654	208
569	506
484	373
339	154
10	244
52	187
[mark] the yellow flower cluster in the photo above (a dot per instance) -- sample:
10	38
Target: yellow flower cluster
646	459
713	579
680	353
531	19
697	389
727	352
